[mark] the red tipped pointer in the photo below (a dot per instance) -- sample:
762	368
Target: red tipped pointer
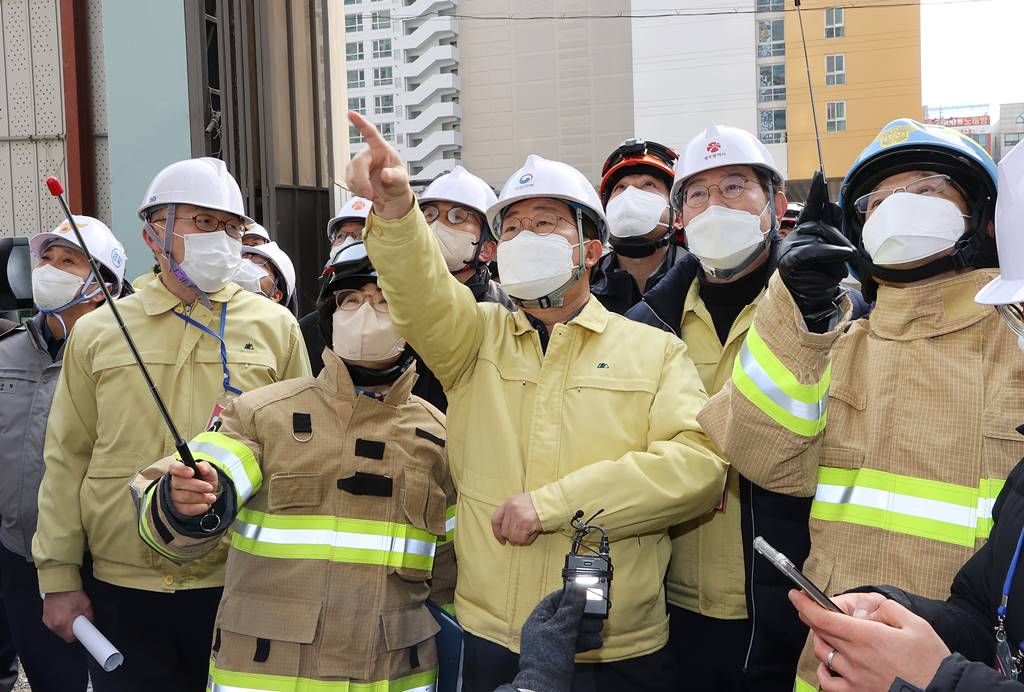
56	189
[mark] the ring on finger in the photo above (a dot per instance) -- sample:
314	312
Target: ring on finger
828	660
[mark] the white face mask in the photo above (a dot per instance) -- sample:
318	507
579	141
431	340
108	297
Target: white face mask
906	227
458	247
723	238
365	335
249	275
211	259
635	212
54	288
532	266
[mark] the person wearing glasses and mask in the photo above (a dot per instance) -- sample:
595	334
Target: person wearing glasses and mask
557	407
268	270
635	182
336	490
900	427
205	340
728	195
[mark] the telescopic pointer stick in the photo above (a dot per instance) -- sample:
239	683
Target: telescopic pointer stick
810	89
57	190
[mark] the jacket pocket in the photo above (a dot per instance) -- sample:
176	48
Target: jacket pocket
841	458
264	634
818	569
407	626
295	491
423	505
108	511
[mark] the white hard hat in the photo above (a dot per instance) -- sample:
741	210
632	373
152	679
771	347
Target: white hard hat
282	264
355	208
203	182
100	240
540	177
722	146
463	188
257	230
1008	287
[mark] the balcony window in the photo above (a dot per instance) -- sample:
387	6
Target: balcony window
382	76
383	105
382	48
835	69
773	126
772	83
356	79
835	116
354	50
381	20
771	37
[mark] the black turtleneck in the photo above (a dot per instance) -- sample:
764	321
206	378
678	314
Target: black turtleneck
725	301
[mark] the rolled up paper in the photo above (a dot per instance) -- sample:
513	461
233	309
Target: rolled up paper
105	653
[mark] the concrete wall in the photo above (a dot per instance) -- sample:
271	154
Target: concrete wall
147	108
561	89
688	71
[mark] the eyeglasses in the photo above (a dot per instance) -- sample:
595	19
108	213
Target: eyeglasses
208	223
541	224
258	260
351	299
730	187
455	215
930	185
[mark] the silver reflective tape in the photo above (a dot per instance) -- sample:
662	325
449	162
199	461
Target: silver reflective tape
764	382
235	468
335	539
901	504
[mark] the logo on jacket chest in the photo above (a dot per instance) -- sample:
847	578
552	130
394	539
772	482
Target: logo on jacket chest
6	386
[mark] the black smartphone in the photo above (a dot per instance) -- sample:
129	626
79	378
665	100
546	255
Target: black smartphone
784	565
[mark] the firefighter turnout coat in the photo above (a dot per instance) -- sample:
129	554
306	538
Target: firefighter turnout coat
339	504
900	425
603	418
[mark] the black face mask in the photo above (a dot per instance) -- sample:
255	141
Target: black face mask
639	247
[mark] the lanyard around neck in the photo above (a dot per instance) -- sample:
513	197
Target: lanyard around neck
220	338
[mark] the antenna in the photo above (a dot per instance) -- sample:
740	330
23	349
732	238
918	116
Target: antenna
810	90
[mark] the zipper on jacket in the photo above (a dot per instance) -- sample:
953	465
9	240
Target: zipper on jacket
753	560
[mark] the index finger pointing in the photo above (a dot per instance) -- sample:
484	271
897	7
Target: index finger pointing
366	129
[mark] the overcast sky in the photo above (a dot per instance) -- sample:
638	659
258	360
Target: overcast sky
971	52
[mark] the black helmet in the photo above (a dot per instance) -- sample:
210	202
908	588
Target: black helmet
351	269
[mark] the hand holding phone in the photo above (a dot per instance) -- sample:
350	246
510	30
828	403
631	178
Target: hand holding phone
784	565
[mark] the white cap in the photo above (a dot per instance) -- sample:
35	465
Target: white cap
203	182
1008	287
100	240
722	146
463	188
282	264
355	208
256	230
540	177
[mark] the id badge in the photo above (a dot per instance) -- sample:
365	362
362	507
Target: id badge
213	423
1006	663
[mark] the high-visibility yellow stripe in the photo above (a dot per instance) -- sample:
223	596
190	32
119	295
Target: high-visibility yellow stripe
144	530
449	526
231	457
921	507
763	379
229	681
802	685
337	539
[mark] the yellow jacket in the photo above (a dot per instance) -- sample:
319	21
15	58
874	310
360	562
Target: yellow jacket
604	419
900	425
706	573
104	426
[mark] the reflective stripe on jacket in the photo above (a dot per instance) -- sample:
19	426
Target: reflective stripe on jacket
338	535
900	426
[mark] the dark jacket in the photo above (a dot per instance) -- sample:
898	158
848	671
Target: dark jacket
426	387
966	621
616	288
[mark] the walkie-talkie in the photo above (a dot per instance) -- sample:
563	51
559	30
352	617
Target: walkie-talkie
593	572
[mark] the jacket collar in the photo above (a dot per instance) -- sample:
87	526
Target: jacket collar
156	299
600	281
336	379
931	309
592	316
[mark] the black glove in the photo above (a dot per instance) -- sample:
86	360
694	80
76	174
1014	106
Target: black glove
812	259
555	631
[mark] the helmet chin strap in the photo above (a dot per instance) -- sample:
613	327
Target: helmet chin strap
556	298
166	243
